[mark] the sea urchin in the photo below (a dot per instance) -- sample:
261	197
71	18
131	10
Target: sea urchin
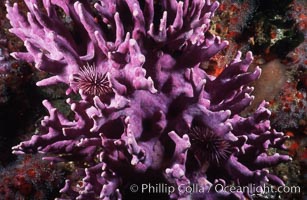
91	82
209	146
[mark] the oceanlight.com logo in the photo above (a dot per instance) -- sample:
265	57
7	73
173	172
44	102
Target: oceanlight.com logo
251	189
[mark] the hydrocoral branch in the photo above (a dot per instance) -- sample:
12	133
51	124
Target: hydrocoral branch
176	174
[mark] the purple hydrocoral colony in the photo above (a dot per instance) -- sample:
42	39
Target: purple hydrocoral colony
147	106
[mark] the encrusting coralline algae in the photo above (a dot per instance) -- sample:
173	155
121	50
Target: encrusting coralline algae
146	105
